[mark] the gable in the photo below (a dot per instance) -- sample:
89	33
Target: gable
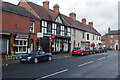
58	19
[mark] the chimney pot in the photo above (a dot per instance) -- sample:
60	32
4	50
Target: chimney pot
46	4
84	20
56	8
72	15
90	24
108	29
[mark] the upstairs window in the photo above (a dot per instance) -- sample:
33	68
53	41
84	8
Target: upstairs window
93	37
112	36
65	30
83	35
87	36
32	26
74	32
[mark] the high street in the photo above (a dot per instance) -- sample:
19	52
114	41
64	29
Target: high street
101	65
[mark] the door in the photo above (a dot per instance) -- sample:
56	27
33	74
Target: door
5	46
116	47
31	45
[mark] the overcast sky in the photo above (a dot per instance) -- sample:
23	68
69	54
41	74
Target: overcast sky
103	13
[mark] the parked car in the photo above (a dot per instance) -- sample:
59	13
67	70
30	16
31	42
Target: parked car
101	49
36	56
97	50
79	51
90	50
105	49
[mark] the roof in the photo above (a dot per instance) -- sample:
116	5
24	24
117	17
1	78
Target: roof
16	10
114	32
51	15
42	12
79	25
103	38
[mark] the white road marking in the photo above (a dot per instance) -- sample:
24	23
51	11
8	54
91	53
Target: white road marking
85	63
53	74
101	58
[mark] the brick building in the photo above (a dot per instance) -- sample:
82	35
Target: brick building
112	39
19	28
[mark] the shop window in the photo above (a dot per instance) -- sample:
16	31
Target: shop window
32	26
21	46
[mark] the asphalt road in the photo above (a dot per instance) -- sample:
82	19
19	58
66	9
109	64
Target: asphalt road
101	65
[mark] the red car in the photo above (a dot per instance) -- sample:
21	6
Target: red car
97	50
79	51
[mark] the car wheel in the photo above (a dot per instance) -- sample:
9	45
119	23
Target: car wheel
49	58
36	60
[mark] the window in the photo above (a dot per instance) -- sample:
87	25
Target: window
83	35
68	31
93	37
74	44
111	41
112	36
32	26
21	46
116	41
74	32
62	30
87	36
111	46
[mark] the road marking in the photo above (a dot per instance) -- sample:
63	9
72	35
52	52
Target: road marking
101	58
53	74
85	63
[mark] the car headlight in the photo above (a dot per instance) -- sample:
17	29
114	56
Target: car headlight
29	57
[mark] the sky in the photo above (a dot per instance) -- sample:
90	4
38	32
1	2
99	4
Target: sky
103	13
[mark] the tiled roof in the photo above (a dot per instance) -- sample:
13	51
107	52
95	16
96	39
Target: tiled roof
79	25
16	10
42	12
114	32
103	38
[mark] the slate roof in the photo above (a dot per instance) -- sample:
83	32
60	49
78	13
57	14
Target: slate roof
103	38
16	10
114	32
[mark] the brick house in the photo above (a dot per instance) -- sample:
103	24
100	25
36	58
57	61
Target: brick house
19	28
112	40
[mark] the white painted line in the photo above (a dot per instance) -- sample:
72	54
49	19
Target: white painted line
53	74
85	63
101	58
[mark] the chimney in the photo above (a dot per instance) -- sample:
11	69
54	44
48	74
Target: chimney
72	15
84	21
90	24
108	29
56	8
46	4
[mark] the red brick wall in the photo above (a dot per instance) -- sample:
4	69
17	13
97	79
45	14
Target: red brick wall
9	21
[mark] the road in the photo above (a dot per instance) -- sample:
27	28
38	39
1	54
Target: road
101	65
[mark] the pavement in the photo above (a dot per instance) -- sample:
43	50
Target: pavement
54	56
101	66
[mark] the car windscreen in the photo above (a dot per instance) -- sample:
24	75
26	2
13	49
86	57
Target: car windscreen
39	52
76	48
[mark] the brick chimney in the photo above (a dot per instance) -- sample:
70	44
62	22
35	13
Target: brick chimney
72	15
84	21
56	8
108	29
46	4
90	24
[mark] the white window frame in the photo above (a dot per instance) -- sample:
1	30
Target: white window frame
112	36
32	26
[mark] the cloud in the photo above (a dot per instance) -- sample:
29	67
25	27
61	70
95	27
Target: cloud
103	14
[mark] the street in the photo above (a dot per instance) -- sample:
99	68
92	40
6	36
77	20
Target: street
100	65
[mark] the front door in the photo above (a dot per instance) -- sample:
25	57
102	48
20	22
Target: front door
116	47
